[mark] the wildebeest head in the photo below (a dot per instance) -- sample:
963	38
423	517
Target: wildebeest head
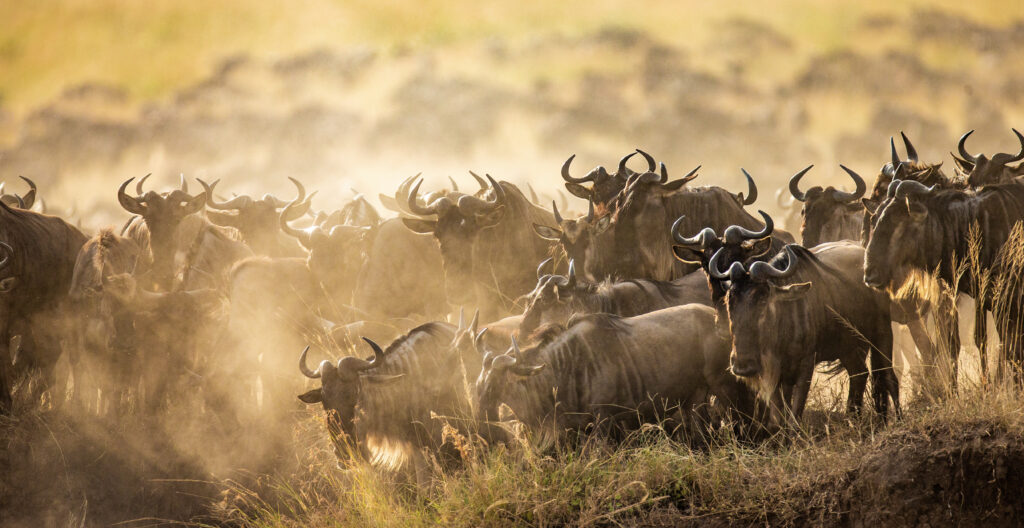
755	296
162	213
28	201
982	170
335	255
897	240
340	387
574	235
911	168
256	219
737	244
458	220
604	186
828	213
551	301
499	375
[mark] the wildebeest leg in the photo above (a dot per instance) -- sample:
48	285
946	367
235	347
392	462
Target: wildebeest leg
858	372
802	388
5	372
981	337
883	378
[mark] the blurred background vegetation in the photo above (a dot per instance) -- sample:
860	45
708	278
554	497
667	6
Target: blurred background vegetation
361	94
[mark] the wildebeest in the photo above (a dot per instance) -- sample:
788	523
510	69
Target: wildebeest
981	170
573	235
926	229
488	246
257	220
613	372
604	186
39	262
156	224
102	358
828	213
383	406
793	312
557	297
651	204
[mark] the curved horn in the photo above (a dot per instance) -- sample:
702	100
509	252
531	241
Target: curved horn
184	183
130	203
304	368
761	271
736	234
689	175
533	194
1003	159
650	160
543	264
751	189
138	186
856	194
414	205
735	271
455	186
479	181
558	217
911	152
302	236
570	179
301	208
622	163
700	239
30	196
499	191
378	355
572	274
664	174
21	202
962	148
8	251
892	150
794	184
279	203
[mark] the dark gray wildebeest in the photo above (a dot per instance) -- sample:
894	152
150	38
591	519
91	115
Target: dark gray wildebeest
604	186
488	246
167	229
614	373
922	229
574	236
391	407
650	205
29	201
980	170
258	220
828	213
39	253
556	298
795	311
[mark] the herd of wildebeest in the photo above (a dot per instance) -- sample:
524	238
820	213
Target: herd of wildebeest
665	303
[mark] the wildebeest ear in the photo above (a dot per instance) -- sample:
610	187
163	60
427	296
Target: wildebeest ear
870	205
917	210
418	225
382	378
791	292
547	233
687	255
389	203
7	284
578	190
313	396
